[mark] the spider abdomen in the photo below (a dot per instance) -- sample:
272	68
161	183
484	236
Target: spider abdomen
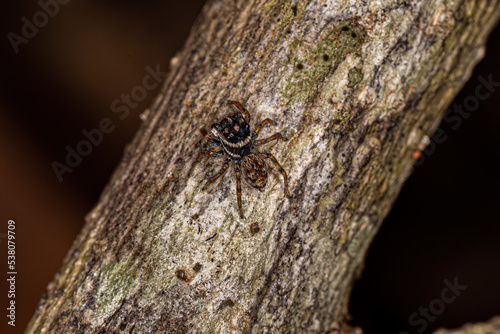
254	170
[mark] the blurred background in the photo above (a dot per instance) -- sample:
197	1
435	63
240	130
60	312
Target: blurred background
63	80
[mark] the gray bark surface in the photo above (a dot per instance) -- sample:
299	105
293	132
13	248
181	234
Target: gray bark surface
355	86
492	326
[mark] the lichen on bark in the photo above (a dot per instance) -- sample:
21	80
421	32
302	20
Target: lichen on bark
159	255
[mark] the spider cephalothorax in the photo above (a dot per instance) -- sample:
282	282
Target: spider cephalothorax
232	133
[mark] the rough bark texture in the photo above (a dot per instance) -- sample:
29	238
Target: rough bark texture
356	87
490	327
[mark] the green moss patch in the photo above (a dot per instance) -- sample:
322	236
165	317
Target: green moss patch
116	282
311	64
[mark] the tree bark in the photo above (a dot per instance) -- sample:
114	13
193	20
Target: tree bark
490	327
356	87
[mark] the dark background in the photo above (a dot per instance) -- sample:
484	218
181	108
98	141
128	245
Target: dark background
444	225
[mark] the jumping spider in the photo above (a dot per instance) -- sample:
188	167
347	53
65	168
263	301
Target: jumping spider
232	133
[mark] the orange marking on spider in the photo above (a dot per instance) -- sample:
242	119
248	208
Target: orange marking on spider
232	133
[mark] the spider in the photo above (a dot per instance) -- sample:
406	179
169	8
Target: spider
232	133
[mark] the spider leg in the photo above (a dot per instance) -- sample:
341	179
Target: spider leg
238	186
282	171
240	107
220	181
210	153
209	138
265	141
259	127
216	176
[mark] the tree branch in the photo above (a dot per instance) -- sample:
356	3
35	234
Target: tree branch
490	327
356	87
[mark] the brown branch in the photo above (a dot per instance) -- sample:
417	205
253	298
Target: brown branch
490	327
357	87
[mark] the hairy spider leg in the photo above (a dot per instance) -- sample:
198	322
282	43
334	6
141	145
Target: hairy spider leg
209	138
282	171
216	176
223	170
220	181
263	123
265	141
210	153
242	109
237	168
